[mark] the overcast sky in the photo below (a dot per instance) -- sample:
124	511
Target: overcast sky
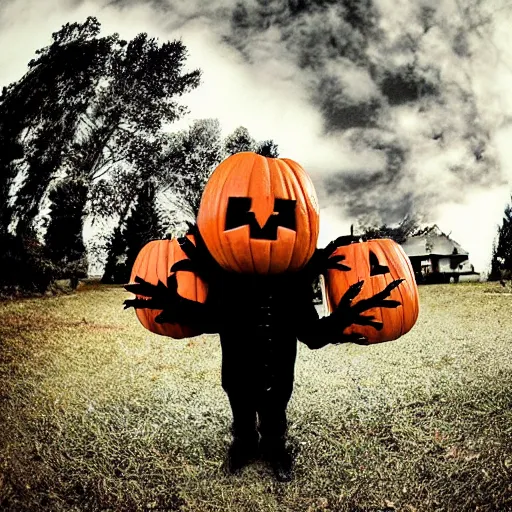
319	85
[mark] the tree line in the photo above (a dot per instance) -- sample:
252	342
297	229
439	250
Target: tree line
87	131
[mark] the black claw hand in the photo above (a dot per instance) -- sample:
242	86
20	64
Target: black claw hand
174	308
184	265
340	242
157	292
377	301
350	295
347	313
322	259
199	259
158	296
334	263
187	247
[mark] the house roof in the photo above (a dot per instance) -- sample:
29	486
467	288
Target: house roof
433	241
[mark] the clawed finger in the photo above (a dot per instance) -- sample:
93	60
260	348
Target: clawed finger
389	304
172	283
187	247
355	288
338	257
338	266
358	339
385	293
186	265
141	287
370	321
350	294
393	285
334	263
378	299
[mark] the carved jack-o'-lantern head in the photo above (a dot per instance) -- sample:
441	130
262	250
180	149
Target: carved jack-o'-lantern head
377	263
259	215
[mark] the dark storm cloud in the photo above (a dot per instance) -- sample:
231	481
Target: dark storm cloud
365	78
386	193
314	35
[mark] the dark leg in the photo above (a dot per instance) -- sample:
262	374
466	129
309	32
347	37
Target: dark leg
272	404
240	389
244	447
244	414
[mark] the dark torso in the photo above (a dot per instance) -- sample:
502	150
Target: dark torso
259	319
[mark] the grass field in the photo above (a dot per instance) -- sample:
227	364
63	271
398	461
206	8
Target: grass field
98	414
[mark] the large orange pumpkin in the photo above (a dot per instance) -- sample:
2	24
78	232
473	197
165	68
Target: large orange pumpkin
259	215
377	263
153	264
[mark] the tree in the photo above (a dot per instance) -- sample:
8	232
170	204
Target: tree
501	263
141	226
44	107
399	233
267	148
63	239
89	113
239	141
24	266
96	101
189	160
11	150
123	128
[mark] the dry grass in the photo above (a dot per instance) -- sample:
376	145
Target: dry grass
98	414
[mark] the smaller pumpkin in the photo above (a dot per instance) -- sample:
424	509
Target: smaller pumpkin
377	263
153	264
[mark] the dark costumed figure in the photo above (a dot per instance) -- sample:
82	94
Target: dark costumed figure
246	272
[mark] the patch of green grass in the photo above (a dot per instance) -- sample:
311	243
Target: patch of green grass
99	414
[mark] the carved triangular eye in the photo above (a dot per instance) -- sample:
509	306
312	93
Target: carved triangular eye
375	267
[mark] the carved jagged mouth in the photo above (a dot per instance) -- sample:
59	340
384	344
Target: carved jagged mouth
238	214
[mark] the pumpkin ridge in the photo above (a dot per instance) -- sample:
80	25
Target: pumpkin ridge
268	245
402	290
222	219
302	177
248	194
296	191
164	252
291	190
411	286
280	178
146	312
390	262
